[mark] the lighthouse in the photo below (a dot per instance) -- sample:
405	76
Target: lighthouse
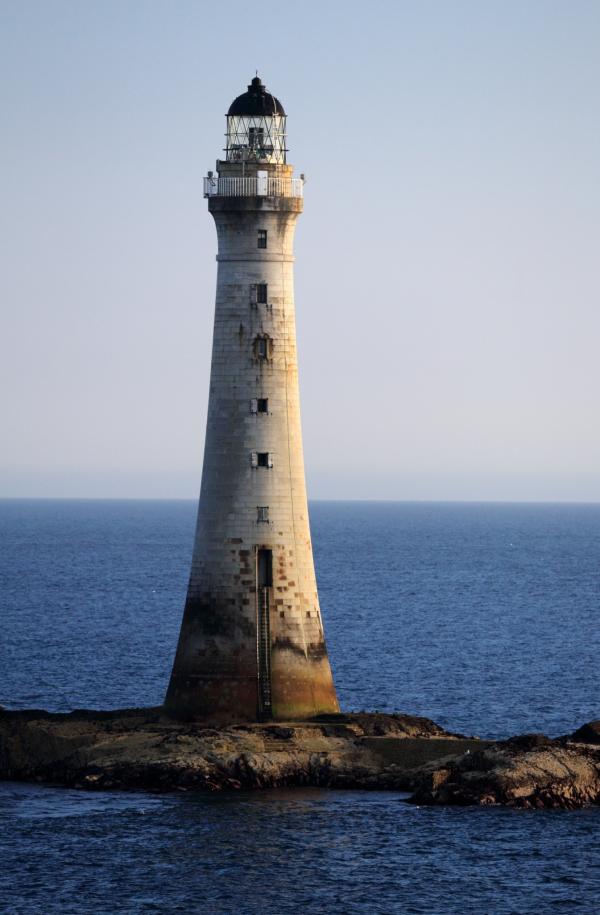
251	645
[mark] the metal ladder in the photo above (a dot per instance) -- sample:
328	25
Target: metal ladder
263	639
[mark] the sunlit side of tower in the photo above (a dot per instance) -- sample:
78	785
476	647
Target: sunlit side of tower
251	643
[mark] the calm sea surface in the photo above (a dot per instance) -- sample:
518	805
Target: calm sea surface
483	617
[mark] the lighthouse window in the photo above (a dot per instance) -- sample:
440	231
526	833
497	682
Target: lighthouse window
262	238
262	347
259	405
261	293
261	459
256	137
258	294
262	513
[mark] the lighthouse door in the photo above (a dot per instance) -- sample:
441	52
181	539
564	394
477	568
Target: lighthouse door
262	183
264	582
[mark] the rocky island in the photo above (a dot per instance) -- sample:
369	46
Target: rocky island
143	749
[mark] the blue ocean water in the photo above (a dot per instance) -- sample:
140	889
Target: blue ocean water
481	616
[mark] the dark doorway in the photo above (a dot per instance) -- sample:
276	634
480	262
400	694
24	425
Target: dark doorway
265	568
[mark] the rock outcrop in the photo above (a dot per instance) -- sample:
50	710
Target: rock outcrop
587	733
143	749
530	771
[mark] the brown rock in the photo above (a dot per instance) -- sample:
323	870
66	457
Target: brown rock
520	772
141	748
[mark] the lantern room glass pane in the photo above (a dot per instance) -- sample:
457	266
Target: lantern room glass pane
256	139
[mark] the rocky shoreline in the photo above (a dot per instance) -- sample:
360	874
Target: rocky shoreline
142	749
531	771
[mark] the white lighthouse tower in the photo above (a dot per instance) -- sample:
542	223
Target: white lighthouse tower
251	643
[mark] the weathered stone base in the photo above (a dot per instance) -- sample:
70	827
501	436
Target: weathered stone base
142	748
145	750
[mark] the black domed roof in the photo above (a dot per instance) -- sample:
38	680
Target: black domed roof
256	102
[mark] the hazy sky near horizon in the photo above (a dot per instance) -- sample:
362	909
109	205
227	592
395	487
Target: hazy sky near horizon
447	275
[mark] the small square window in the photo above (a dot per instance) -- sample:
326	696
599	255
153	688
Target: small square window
262	238
261	293
259	405
262	513
261	459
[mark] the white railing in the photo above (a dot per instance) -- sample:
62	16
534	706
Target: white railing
253	187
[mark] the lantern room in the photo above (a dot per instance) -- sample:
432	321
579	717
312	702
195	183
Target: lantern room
256	127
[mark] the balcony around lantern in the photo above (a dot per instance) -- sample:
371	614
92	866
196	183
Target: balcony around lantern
259	186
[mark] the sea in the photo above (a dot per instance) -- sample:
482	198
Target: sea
481	616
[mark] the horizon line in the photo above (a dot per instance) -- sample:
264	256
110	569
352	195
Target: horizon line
337	500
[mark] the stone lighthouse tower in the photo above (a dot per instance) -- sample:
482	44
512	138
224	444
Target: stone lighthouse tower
251	643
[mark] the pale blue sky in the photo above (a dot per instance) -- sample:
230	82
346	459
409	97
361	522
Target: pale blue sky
447	277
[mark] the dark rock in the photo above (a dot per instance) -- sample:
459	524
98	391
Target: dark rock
527	741
382	724
278	732
587	733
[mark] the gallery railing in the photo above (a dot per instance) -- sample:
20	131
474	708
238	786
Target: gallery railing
253	187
